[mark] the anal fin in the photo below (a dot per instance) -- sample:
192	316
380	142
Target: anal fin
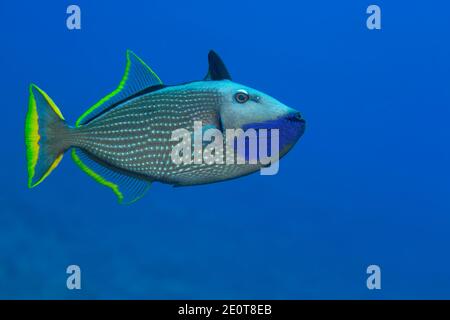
128	189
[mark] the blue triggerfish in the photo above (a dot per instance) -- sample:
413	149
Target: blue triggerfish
126	140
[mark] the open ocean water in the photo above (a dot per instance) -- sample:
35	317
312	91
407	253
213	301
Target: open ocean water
368	183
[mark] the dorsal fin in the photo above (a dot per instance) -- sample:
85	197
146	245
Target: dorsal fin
137	77
217	69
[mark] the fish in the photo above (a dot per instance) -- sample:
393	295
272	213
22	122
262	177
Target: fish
125	141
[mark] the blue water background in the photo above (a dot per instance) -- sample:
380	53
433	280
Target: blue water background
368	183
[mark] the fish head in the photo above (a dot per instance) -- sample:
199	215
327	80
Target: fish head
245	108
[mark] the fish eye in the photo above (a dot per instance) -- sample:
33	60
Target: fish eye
241	96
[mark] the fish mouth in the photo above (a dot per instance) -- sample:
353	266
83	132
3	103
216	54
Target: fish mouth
294	124
295	117
292	127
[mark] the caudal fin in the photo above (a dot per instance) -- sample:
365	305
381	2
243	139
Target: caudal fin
45	136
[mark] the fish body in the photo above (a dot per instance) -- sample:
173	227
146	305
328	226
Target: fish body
125	141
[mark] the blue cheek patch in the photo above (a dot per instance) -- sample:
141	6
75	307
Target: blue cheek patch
289	132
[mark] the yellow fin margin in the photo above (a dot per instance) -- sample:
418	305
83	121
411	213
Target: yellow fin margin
32	136
114	187
119	88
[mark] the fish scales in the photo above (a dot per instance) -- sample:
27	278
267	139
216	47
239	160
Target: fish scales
138	132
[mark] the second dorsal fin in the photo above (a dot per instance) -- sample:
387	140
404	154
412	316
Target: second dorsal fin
137	77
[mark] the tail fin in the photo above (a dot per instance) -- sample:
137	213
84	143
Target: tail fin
45	136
